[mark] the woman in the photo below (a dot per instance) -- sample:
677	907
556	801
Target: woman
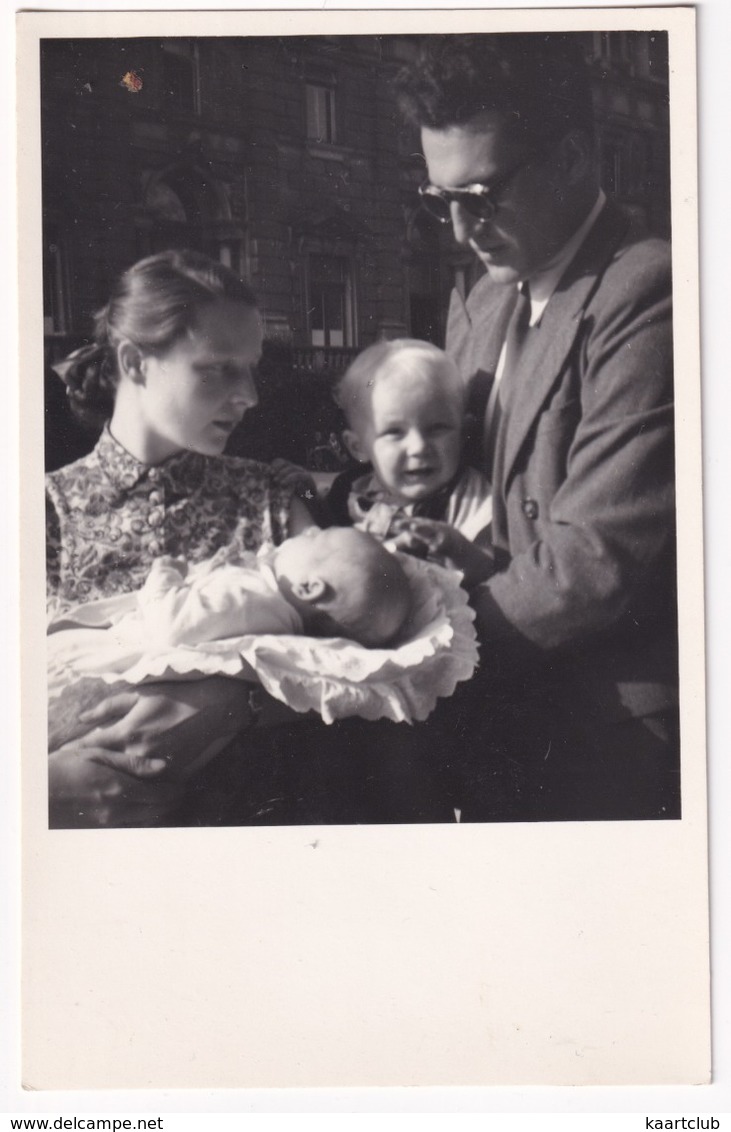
170	373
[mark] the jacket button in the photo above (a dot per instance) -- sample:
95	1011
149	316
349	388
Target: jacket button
530	508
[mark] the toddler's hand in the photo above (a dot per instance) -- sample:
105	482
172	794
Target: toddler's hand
427	538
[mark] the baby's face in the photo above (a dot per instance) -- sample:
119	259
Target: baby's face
412	434
344	584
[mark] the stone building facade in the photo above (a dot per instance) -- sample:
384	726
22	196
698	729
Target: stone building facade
285	158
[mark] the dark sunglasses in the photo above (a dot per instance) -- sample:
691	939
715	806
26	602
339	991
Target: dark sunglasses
477	199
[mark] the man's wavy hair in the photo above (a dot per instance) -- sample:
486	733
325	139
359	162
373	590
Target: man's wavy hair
540	83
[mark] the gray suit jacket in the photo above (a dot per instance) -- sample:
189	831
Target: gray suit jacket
583	478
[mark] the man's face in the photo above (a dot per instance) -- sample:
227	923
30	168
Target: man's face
534	217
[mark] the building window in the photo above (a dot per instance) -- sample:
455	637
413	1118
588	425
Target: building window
614	46
657	52
613	167
184	208
55	301
320	93
330	301
164	204
180	75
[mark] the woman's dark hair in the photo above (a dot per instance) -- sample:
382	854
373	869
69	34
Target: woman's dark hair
154	303
538	81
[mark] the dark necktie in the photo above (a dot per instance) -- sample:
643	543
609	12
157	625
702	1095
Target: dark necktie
517	331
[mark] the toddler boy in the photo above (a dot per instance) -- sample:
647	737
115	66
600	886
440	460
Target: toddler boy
404	403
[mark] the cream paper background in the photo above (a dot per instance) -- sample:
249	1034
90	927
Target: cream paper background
417	955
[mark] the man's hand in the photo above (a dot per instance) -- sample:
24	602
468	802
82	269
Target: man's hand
170	726
84	794
427	538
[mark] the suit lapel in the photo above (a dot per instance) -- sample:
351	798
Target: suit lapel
488	325
549	344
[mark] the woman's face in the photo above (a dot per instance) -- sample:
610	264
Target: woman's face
194	395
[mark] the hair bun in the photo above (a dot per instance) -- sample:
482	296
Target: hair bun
88	376
76	358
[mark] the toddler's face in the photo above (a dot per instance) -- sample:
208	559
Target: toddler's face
411	433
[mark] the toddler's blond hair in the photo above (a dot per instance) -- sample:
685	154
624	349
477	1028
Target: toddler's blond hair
396	358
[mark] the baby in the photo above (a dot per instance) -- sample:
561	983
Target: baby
404	403
343	583
338	582
334	583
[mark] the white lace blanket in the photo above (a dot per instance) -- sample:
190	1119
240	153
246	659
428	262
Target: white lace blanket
332	676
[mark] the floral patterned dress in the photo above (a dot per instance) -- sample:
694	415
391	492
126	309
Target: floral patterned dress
108	516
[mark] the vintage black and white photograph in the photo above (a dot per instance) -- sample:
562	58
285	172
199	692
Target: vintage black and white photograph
359	429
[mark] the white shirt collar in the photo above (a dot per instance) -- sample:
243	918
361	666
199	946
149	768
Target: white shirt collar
545	282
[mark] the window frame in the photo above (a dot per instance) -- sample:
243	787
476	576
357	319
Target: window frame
320	101
188	51
55	284
348	299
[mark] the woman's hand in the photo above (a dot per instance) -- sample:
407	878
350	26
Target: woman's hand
306	508
84	794
294	477
130	770
170	726
427	538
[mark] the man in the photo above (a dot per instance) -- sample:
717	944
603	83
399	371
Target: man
567	345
